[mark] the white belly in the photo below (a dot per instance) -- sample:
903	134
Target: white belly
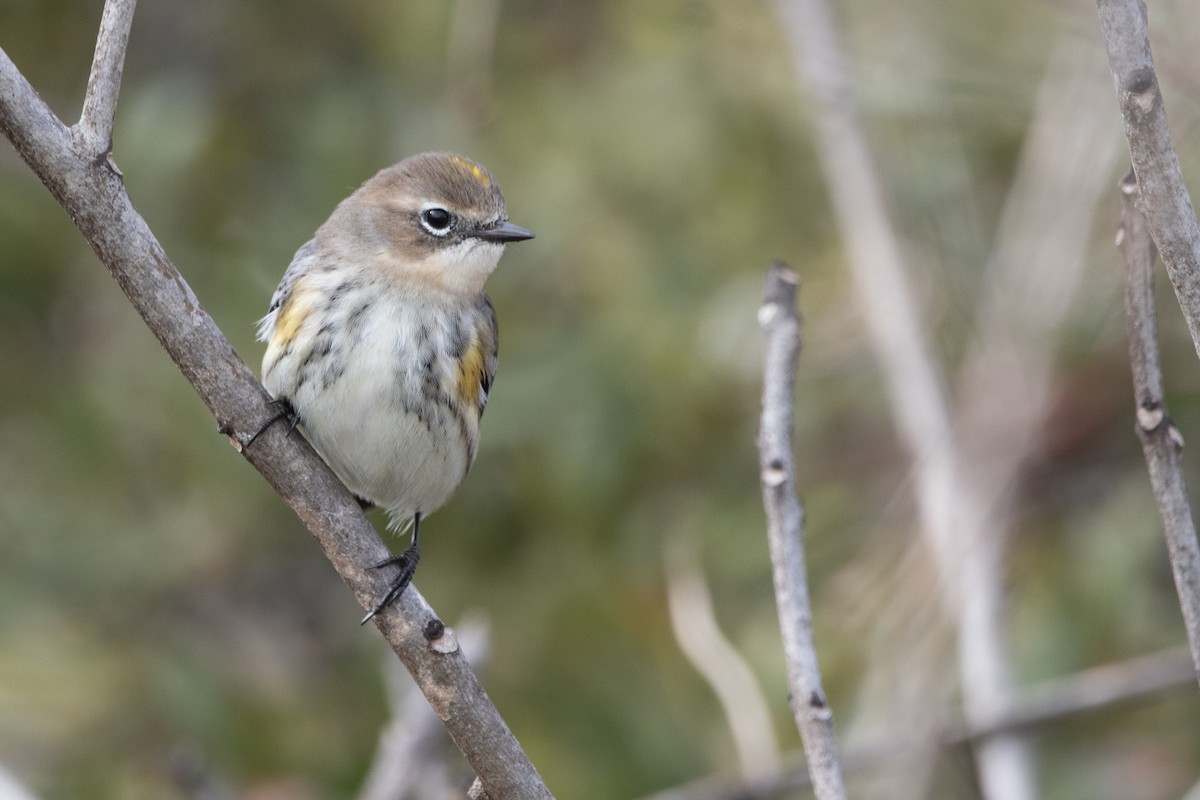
376	407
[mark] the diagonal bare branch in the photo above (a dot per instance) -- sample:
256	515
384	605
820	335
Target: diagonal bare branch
408	760
94	196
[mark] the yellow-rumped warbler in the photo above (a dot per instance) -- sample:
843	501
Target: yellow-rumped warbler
381	344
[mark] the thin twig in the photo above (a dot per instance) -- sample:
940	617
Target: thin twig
1043	704
104	83
1081	693
95	198
1162	444
785	530
1162	196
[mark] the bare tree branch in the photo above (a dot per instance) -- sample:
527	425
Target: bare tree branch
91	192
785	530
951	521
1162	196
1162	443
408	760
104	84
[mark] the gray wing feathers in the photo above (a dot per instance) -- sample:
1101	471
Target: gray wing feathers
301	263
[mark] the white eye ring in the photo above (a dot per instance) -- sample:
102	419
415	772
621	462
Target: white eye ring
436	220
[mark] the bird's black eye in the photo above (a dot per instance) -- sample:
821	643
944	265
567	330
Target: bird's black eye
436	220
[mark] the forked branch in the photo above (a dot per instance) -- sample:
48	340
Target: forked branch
75	165
1161	195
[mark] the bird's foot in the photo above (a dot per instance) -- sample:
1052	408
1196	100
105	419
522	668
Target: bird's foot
281	408
407	561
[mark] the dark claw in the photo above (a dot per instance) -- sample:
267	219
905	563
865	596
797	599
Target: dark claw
407	561
283	410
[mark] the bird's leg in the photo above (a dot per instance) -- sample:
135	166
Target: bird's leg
281	409
407	561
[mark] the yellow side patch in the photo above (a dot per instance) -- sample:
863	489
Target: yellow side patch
470	372
478	174
292	314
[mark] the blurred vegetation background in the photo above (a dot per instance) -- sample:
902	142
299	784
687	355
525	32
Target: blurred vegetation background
160	606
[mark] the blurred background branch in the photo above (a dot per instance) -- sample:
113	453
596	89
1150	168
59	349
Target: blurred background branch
694	622
966	551
11	788
1032	709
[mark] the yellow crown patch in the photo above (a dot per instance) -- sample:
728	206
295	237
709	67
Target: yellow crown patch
478	174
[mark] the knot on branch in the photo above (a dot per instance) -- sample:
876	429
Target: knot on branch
1174	435
1150	414
780	294
1141	92
441	639
817	709
434	629
775	474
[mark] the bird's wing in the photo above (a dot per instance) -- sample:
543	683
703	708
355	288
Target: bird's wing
489	346
301	262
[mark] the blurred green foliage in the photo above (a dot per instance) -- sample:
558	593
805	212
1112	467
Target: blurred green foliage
158	603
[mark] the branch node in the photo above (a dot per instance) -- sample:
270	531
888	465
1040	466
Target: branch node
434	629
1128	184
1141	82
774	475
1174	435
767	313
1150	415
820	714
111	163
441	639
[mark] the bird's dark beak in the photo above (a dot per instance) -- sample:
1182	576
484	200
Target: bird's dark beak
504	232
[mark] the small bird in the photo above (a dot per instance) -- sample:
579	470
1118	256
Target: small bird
381	343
